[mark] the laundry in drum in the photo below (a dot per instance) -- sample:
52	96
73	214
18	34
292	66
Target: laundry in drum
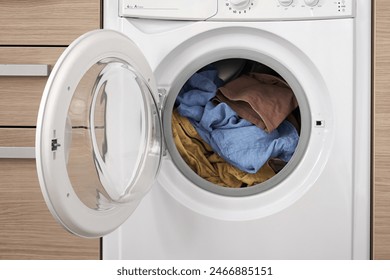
247	120
201	158
263	99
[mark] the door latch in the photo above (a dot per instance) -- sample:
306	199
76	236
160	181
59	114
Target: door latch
54	145
162	95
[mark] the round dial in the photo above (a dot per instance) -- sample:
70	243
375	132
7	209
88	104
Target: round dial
240	4
286	2
311	3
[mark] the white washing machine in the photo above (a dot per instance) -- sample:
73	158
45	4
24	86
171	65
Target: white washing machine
108	164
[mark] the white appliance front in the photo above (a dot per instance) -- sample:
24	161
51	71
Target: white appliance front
316	207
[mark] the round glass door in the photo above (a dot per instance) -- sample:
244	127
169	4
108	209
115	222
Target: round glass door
98	134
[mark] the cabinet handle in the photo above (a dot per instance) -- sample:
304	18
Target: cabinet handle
39	70
17	152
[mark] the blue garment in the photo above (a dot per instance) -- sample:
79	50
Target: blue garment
236	140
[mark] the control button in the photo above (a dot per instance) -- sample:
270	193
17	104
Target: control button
286	2
240	4
311	3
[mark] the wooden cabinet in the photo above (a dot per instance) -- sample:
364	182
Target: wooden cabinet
34	32
381	131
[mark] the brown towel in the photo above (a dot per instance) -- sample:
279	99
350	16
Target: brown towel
262	99
206	163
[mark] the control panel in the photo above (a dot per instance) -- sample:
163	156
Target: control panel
255	10
237	10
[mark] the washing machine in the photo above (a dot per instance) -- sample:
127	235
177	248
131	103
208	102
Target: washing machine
110	166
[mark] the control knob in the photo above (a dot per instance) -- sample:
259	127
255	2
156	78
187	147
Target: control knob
240	4
286	2
311	3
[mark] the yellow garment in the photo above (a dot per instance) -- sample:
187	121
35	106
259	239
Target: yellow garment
208	164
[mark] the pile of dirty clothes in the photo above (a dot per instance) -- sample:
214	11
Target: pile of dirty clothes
237	133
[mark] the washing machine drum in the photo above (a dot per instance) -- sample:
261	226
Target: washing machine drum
235	124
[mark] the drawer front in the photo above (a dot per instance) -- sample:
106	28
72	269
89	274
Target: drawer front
28	231
17	137
20	95
47	22
17	143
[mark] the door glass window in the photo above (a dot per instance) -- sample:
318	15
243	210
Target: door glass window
106	140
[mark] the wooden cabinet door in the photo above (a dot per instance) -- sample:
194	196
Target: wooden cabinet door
47	22
381	130
28	230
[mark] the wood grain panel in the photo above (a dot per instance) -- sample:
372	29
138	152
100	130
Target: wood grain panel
17	137
28	231
381	131
20	96
47	22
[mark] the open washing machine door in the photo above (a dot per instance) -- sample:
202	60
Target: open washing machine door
99	137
